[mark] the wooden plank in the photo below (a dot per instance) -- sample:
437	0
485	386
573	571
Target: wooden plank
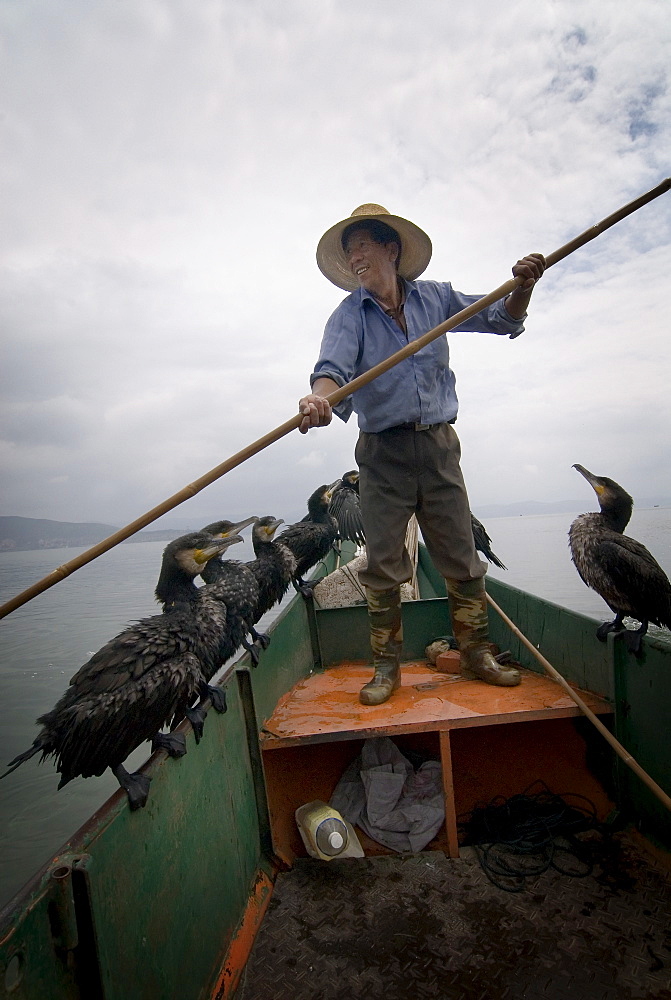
448	787
325	707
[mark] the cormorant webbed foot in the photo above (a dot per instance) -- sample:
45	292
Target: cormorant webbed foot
304	588
260	637
633	638
196	717
173	743
136	786
217	696
615	626
197	714
253	652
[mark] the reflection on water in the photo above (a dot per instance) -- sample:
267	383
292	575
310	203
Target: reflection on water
46	641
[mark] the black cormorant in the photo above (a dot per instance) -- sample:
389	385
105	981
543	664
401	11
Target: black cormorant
138	682
274	566
235	583
311	539
620	569
483	542
345	506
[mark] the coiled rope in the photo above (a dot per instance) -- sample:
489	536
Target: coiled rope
520	838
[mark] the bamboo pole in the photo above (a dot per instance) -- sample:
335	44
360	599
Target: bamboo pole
335	397
615	744
610	220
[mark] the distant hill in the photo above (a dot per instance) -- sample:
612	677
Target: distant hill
531	507
20	533
17	533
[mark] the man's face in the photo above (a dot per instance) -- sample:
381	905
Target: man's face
370	262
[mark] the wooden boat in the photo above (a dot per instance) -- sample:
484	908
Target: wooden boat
167	902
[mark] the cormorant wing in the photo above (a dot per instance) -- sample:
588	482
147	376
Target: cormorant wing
346	508
296	533
483	542
101	730
132	653
637	574
309	542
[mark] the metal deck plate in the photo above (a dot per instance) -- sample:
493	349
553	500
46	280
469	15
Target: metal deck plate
415	926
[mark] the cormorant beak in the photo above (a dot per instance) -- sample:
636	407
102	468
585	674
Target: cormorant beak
268	530
215	548
239	526
594	481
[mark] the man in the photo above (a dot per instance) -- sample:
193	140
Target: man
408	452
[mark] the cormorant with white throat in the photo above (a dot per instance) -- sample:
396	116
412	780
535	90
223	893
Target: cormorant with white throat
138	682
274	567
235	583
311	539
620	569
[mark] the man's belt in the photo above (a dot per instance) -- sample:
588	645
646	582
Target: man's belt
411	427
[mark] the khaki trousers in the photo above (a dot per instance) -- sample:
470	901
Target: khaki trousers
403	471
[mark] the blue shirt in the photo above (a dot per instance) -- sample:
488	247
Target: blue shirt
420	389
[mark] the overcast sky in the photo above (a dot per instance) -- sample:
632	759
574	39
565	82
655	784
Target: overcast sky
168	168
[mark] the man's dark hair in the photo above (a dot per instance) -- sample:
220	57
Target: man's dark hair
378	231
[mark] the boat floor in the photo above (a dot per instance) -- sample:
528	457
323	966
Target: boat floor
424	925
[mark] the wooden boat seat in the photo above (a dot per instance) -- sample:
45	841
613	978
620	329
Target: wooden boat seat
490	741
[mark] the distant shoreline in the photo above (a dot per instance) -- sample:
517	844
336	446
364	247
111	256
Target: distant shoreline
158	536
26	534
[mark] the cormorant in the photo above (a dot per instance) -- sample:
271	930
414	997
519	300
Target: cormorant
210	611
141	680
620	569
274	567
235	583
483	542
311	539
345	506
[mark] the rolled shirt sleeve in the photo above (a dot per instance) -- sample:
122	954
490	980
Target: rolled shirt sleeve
340	353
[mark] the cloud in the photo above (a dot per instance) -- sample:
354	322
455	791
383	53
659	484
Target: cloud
168	170
313	459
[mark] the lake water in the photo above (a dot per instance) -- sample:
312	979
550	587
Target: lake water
43	643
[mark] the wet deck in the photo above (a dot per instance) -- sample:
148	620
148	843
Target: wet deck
412	926
325	706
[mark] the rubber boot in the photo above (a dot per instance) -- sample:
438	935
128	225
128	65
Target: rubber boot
468	609
386	640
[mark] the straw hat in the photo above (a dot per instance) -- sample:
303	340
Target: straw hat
415	247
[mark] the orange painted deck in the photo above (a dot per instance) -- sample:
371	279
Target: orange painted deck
490	741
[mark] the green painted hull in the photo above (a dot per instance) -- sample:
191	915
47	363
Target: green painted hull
148	905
